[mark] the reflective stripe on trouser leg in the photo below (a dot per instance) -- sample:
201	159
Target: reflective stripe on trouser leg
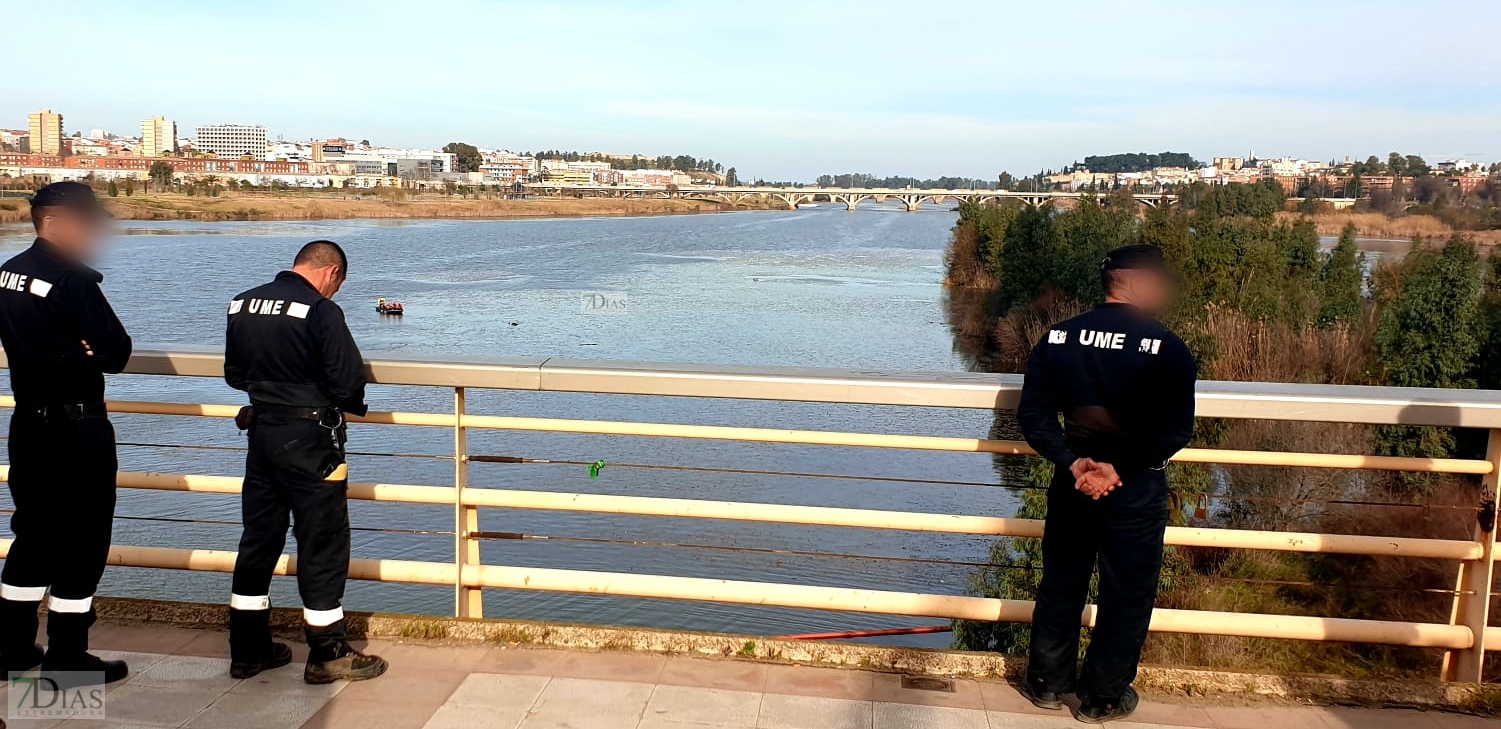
322	618
59	605
249	602
22	594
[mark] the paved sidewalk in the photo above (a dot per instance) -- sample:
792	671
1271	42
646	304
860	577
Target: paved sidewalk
181	679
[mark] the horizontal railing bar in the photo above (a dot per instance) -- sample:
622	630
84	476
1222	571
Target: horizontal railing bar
830	438
1242	400
827	516
1200	622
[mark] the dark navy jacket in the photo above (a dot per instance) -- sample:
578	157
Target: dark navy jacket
288	345
1123	383
49	306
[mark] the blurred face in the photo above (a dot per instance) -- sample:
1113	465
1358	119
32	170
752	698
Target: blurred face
77	234
1150	291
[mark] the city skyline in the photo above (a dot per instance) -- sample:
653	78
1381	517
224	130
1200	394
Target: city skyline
794	91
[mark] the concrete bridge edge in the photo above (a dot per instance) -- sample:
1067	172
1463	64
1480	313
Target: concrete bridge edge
1185	682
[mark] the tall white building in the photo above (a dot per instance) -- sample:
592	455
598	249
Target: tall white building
231	141
158	137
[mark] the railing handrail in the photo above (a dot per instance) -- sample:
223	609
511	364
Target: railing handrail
1216	399
1465	636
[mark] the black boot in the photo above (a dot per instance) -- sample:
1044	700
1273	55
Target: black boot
331	658
251	649
68	661
1099	712
19	651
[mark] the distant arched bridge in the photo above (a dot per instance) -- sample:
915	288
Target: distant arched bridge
911	198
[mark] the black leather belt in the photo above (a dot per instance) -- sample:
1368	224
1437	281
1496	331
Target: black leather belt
325	414
57	412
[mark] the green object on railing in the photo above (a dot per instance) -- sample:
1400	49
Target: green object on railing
594	469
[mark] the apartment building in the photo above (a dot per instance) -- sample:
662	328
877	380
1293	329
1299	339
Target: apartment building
158	137
46	132
231	141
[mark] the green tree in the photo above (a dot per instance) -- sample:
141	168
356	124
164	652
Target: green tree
467	157
130	186
161	173
1340	301
1429	335
731	178
113	189
1396	163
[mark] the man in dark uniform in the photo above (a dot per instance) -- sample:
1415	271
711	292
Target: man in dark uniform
1124	386
61	338
288	347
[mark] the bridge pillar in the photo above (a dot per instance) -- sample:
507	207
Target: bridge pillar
793	199
1472	592
850	201
913	202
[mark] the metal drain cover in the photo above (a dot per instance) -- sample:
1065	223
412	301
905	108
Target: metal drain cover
927	683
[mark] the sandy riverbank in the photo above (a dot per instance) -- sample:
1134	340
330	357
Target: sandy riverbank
173	206
1376	225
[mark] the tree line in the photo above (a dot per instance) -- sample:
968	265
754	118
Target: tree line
1136	162
1261	301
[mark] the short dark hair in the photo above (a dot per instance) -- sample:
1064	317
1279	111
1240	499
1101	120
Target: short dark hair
322	254
37	213
1110	278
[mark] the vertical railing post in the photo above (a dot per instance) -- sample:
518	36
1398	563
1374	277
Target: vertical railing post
1472	598
468	601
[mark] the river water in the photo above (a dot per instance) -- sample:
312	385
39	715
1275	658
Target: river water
813	287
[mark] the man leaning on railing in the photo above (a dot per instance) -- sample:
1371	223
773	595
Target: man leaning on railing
289	348
1124	386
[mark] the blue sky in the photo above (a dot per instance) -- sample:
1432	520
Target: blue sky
786	90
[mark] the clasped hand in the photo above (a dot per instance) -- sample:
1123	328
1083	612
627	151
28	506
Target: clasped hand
1094	478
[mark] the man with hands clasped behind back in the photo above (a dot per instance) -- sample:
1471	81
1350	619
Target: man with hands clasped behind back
1124	388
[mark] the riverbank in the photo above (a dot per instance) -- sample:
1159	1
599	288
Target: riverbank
231	206
1377	225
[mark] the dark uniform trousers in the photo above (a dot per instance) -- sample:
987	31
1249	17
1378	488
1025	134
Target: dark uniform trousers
62	480
1124	532
288	473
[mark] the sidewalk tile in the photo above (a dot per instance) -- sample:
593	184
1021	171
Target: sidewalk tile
832	683
1175	715
704	705
1341	717
1466	721
159	706
1052	720
813	712
713	673
342	714
186	672
917	716
499	691
601	666
258	711
1267	717
588	702
435	657
888	687
140	639
456	716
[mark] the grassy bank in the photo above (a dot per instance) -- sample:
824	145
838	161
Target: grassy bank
1377	225
231	206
